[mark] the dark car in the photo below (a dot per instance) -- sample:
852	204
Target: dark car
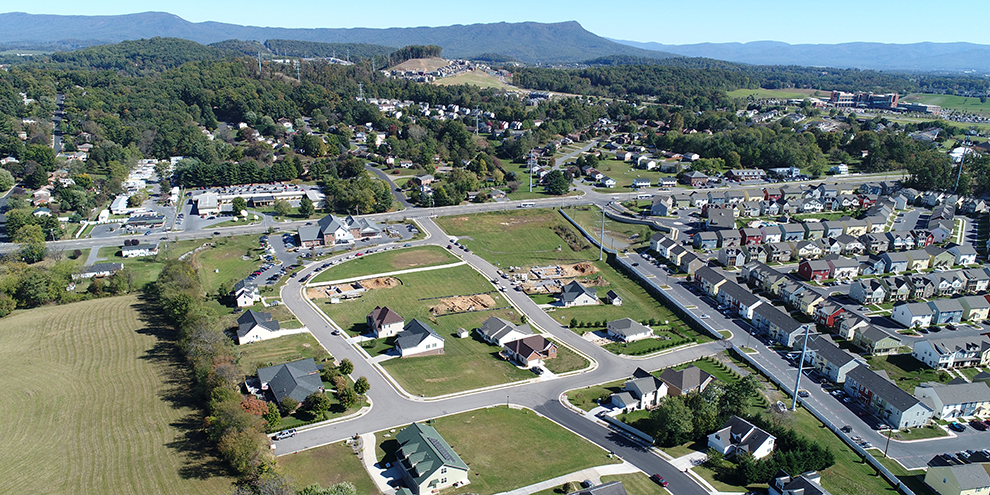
537	370
957	426
659	480
978	425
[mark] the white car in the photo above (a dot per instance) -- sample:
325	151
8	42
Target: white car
703	316
291	432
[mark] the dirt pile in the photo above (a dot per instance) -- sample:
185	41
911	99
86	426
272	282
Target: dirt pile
380	283
460	304
578	269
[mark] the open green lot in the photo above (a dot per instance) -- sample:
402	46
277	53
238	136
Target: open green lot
634	235
522	237
950	102
906	371
498	445
389	261
636	484
566	360
281	350
761	93
467	363
98	400
475	78
327	465
625	172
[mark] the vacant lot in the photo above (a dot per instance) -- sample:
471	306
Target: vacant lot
636	484
497	443
281	350
389	261
475	78
327	465
634	235
97	402
775	93
466	363
950	102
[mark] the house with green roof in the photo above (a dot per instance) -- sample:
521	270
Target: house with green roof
428	462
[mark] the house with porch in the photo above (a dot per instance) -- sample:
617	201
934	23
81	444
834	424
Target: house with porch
953	352
728	238
975	308
889	402
575	294
946	311
875	341
868	291
912	315
428	463
739	436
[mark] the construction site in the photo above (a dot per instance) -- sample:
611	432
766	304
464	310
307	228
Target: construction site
353	289
552	278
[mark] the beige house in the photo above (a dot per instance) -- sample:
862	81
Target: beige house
965	479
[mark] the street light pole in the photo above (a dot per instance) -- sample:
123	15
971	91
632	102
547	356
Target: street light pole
797	383
888	445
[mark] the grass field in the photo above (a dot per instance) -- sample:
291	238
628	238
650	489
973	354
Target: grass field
327	465
475	78
624	173
281	350
466	363
566	360
497	443
634	235
636	484
518	237
389	261
950	102
98	401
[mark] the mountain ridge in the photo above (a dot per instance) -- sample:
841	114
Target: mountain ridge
922	56
530	42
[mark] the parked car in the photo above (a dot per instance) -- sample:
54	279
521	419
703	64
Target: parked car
957	426
978	425
291	432
659	480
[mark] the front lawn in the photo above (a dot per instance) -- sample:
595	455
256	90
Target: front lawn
281	350
498	444
566	360
906	371
587	398
388	261
636	484
930	431
327	465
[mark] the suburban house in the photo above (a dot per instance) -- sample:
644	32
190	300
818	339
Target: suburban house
955	400
139	250
728	238
889	402
807	250
832	228
418	339
946	311
575	294
939	258
254	326
613	298
709	280
829	360
298	380
661	244
895	262
843	268
898	241
791	232
813	230
922	287
964	254
739	299
963	479
643	391
750	237
738	435
731	257
977	279
778	324
530	351
953	352
429	464
690	263
770	234
246	294
912	315
98	270
383	322
628	330
690	379
498	331
705	240
874	340
814	270
721	219
975	308
898	288
662	206
868	291
808	483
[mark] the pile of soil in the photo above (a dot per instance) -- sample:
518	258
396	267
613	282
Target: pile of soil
316	293
380	283
578	269
459	304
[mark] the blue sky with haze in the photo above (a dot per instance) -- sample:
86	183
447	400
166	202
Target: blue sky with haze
662	21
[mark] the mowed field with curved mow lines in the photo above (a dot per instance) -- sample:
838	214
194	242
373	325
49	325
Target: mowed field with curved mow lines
95	401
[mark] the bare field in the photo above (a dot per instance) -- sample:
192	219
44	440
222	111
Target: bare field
423	64
97	401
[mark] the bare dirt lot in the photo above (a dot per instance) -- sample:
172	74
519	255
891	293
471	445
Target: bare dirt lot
421	64
463	303
359	286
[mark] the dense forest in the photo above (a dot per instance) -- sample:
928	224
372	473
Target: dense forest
314	49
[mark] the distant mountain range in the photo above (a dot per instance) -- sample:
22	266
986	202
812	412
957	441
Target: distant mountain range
914	57
528	42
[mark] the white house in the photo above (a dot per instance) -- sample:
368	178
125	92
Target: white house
418	339
246	294
628	330
912	314
956	399
643	391
383	322
575	294
953	352
139	250
965	254
739	435
499	332
254	326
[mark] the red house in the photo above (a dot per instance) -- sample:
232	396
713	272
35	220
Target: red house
814	270
866	201
922	238
827	314
772	194
750	237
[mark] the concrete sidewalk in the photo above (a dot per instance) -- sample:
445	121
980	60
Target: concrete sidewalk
594	474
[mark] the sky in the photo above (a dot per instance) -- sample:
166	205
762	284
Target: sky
661	21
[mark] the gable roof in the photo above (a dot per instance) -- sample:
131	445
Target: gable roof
610	488
297	379
414	333
689	378
496	328
251	318
384	316
961	393
422	452
573	290
628	326
534	344
743	435
969	476
883	388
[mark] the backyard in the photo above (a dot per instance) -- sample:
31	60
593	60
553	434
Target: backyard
497	443
906	371
388	261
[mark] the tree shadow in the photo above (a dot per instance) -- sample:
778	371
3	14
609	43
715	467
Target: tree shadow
197	453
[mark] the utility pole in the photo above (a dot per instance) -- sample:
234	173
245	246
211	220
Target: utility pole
797	383
361	91
961	163
601	237
298	79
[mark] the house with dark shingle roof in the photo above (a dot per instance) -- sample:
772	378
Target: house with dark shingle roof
530	351
429	464
298	380
740	436
808	483
643	391
418	339
690	379
383	322
829	360
890	403
575	294
254	326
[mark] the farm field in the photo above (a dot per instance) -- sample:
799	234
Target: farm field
389	261
497	445
950	102
102	404
327	465
467	363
